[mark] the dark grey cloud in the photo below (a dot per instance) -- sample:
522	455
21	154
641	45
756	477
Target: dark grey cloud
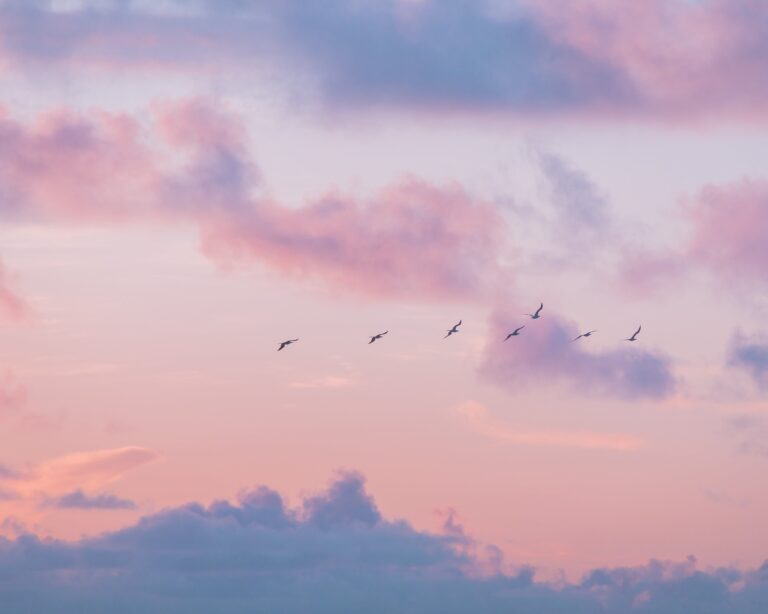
334	553
79	500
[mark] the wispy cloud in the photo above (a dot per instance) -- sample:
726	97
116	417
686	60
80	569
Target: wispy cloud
12	306
750	353
329	381
77	499
86	470
13	396
478	418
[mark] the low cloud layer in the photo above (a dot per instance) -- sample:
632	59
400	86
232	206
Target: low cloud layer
335	552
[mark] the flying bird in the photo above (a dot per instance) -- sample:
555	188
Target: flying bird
587	334
515	332
634	336
285	343
455	329
535	315
379	336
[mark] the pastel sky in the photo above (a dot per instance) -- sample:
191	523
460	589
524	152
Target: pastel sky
184	184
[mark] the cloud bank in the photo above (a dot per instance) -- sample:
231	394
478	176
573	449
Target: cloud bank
334	552
656	59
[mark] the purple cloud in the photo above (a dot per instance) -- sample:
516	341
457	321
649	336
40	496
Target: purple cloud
259	556
77	499
751	355
546	352
595	58
752	433
581	208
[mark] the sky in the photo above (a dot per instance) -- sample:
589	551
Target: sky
186	184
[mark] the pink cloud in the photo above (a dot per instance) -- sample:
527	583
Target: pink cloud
643	273
726	235
477	417
12	306
87	470
65	168
412	239
730	230
677	57
13	395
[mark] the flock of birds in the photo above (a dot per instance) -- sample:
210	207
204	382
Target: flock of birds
455	329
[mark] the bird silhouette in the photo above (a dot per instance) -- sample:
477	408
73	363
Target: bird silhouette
286	343
454	329
515	332
379	336
587	334
535	315
635	334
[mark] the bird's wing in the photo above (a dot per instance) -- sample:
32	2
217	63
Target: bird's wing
637	332
459	324
540	308
519	329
